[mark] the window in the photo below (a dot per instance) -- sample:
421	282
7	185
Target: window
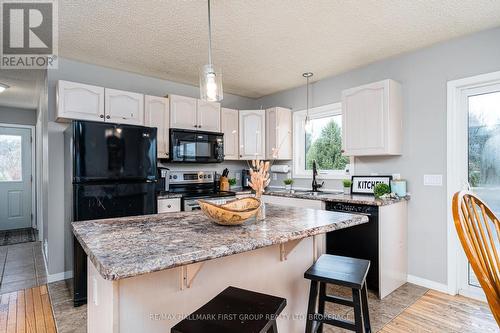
10	158
322	144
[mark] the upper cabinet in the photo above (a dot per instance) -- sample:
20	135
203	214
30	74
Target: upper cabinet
278	133
183	112
372	119
156	114
252	134
208	115
86	102
229	126
124	107
79	101
191	113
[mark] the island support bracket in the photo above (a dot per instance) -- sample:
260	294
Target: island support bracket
188	273
286	248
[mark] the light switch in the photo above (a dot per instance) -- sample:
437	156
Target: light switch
433	180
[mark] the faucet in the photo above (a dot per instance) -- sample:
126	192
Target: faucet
315	185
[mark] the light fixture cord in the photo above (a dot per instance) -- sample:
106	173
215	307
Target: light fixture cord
209	36
307	98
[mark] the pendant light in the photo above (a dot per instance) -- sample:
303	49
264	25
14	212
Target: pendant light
308	125
210	79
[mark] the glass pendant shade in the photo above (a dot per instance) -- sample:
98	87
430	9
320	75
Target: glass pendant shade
308	125
210	84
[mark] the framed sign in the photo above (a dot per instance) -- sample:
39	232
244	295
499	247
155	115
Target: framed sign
366	184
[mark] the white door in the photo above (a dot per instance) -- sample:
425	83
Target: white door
79	101
252	134
482	108
156	114
183	112
124	107
208	116
15	178
229	126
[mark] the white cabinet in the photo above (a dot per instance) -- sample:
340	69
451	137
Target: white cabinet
279	133
79	101
208	116
194	114
156	114
169	205
252	134
372	119
229	126
183	112
124	107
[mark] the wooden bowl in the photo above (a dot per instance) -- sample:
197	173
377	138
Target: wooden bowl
234	212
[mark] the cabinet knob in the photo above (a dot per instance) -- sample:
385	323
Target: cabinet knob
169	206
101	116
241	155
195	126
107	117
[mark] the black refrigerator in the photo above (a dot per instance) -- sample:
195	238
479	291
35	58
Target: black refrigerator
114	175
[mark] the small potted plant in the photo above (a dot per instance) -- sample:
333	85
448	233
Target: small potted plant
288	184
347	186
232	182
381	189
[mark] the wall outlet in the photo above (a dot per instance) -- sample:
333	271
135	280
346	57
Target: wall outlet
275	176
433	180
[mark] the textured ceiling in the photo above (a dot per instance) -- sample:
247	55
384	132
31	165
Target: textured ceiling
262	46
24	90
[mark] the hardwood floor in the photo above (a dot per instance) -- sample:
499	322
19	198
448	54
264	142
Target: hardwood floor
27	311
438	312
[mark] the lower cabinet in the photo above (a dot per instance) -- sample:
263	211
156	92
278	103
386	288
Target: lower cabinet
169	205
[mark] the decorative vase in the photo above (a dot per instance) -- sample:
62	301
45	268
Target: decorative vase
261	212
347	190
288	187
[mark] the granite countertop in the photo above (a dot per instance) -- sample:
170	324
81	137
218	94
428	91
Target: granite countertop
338	197
168	195
129	246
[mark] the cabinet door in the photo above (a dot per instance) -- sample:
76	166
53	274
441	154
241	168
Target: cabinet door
279	133
124	107
229	126
364	116
156	114
79	101
252	134
183	112
208	116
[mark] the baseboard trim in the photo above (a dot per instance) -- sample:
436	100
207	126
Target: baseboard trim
59	276
428	284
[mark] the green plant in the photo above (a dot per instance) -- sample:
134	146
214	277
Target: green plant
288	181
381	189
347	182
232	181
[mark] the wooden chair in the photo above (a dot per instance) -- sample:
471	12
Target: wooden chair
478	229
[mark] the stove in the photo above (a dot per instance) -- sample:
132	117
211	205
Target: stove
194	185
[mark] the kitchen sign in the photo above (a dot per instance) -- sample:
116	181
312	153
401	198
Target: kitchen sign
366	184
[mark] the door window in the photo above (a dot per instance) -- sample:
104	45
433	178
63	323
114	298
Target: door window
11	166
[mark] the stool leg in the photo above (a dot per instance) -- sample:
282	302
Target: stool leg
366	315
358	317
311	308
321	304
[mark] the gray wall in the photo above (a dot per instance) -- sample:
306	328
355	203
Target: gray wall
58	233
424	75
10	115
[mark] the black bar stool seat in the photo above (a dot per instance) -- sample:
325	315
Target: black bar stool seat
341	271
234	310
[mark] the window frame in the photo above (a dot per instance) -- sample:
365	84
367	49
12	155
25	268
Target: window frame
298	170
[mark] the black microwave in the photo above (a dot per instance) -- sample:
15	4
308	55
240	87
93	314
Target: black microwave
195	146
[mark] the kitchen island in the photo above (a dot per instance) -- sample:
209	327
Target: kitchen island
146	273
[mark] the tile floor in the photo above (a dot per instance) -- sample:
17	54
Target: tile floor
68	318
21	266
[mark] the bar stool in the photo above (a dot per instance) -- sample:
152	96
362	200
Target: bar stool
234	310
341	271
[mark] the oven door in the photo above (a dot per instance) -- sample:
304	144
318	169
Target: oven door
195	146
